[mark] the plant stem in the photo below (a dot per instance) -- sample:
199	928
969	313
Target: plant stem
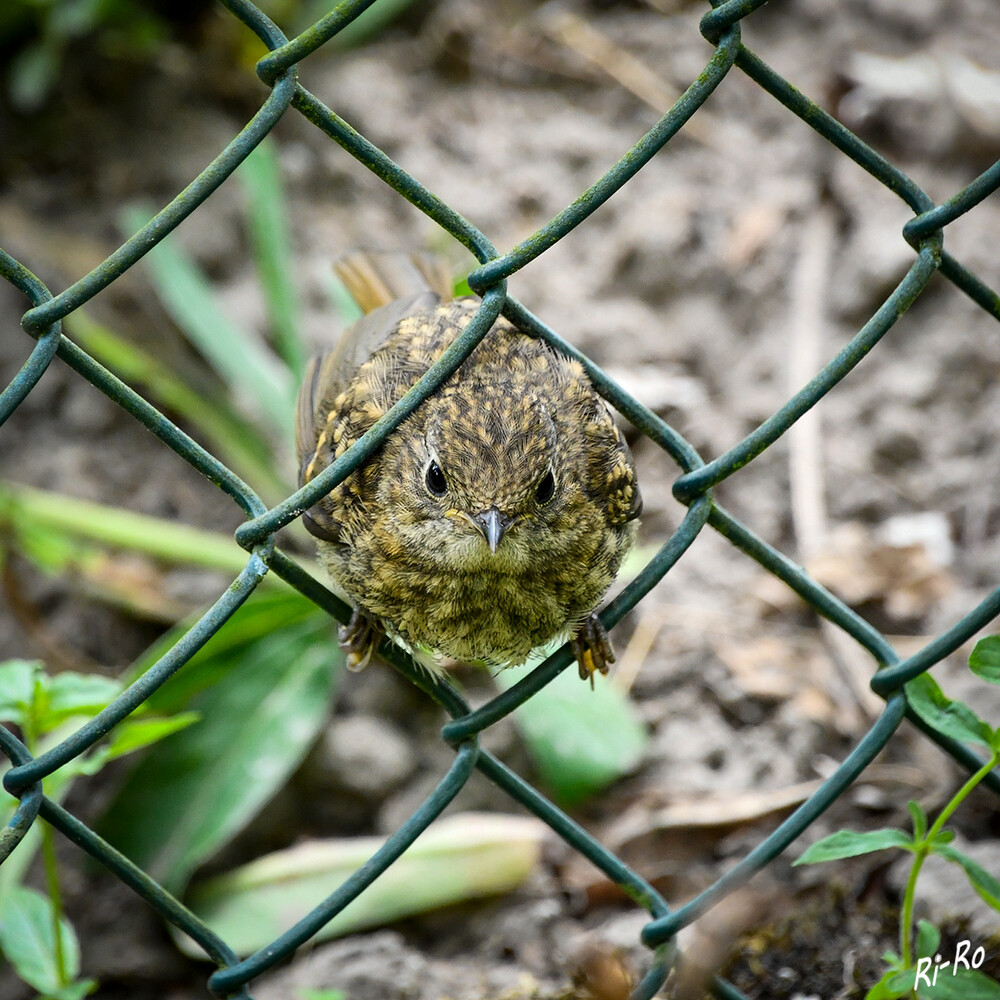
55	900
48	847
961	795
920	855
906	917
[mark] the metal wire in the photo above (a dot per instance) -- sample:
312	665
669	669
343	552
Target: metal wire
721	27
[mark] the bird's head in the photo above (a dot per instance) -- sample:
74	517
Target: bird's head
480	478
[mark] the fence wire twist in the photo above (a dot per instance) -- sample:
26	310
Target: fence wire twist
924	232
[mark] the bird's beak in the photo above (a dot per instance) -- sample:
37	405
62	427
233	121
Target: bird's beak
492	524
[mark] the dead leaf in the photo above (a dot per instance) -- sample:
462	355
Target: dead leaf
709	942
600	972
767	667
860	568
674	846
773	668
932	99
727	809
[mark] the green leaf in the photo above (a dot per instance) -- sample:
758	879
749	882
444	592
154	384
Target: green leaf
264	613
130	735
985	884
27	941
581	740
459	857
928	938
75	991
202	786
985	659
228	434
306	994
263	385
892	985
138	733
77	694
963	984
919	818
900	983
369	23
17	687
850	844
953	718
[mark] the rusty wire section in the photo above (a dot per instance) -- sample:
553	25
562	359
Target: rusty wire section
924	232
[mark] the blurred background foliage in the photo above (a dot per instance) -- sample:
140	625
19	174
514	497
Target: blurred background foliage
38	36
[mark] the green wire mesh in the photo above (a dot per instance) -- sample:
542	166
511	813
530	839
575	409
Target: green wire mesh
924	232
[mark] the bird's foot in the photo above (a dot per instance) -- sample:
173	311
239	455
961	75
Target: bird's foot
359	638
592	648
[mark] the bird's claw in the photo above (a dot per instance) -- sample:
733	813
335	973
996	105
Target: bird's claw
592	648
359	638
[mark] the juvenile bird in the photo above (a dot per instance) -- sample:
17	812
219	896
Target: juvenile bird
496	516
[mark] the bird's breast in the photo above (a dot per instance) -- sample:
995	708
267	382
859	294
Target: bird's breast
474	604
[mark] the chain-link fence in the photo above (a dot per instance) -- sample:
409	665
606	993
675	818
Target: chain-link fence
693	487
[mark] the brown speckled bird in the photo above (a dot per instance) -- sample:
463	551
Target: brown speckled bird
496	516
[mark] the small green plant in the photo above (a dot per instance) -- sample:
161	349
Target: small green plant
35	937
918	970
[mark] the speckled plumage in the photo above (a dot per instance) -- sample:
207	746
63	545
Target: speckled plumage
420	565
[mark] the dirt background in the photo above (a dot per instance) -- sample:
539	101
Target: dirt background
736	263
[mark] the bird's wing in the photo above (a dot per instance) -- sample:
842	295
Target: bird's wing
328	374
386	286
611	469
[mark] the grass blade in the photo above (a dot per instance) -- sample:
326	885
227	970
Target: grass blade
25	509
248	453
261	383
267	217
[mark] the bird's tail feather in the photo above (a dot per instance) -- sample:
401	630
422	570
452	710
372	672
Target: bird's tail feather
376	278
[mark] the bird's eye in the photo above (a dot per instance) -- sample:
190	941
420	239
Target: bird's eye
546	488
434	478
